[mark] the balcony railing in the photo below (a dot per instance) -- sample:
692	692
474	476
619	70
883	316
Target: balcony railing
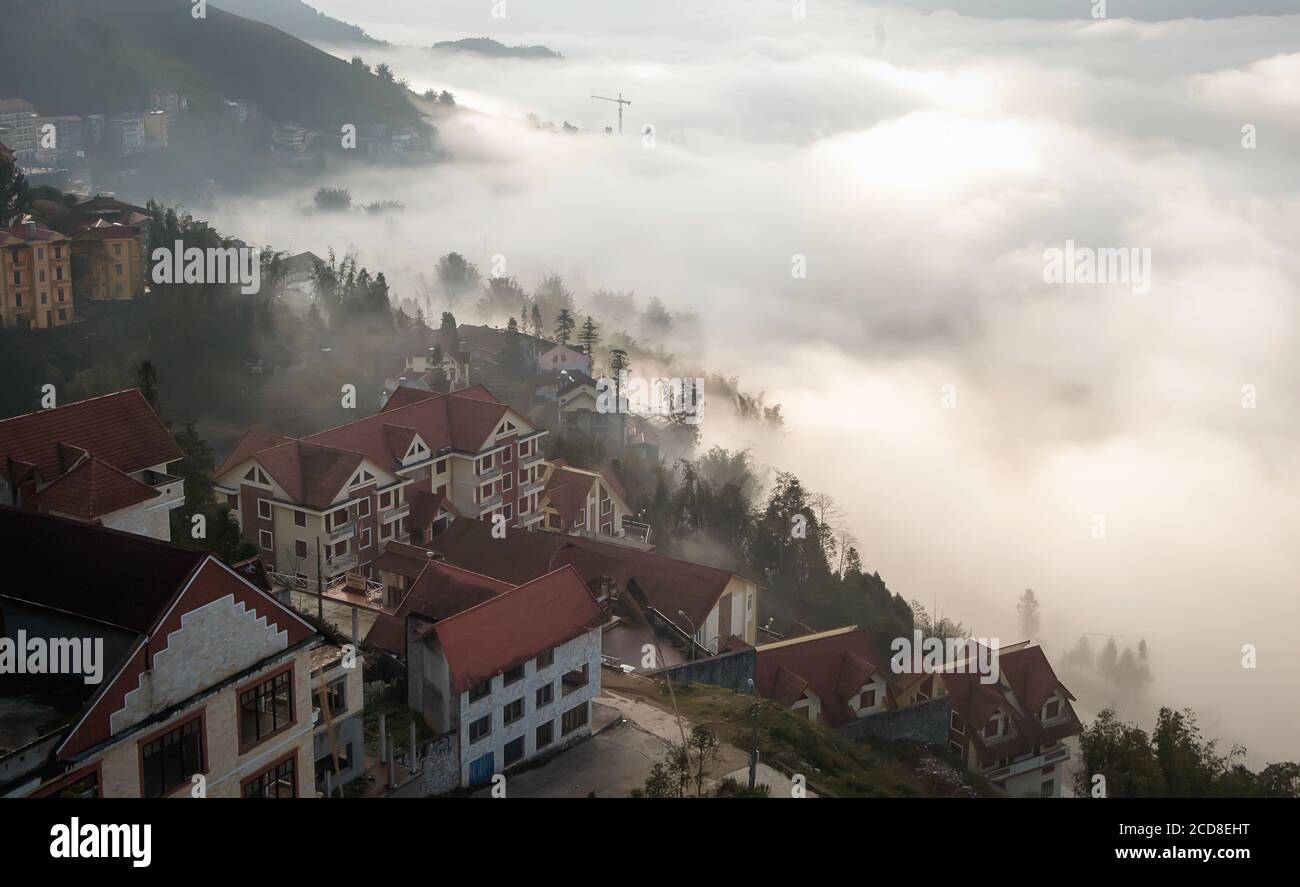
396	512
1060	753
342	530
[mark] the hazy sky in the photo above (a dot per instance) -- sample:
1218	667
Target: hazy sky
922	164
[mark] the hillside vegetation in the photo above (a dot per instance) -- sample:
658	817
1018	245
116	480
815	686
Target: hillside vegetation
85	57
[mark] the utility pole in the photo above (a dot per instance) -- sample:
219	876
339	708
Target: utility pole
621	102
753	742
320	585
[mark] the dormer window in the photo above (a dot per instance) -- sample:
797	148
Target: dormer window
993	728
361	477
257	476
867	699
1052	709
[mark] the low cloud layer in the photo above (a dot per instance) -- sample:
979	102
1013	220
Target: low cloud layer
922	164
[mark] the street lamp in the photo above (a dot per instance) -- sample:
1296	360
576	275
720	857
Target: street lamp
691	648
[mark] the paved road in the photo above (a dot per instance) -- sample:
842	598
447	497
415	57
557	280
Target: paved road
611	764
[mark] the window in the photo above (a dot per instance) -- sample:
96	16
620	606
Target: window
868	698
300	518
338	518
440	467
574	680
507	482
508	511
266	540
281	781
480	728
545	695
170	760
957	724
514	751
955	748
363	507
993	727
386	499
300	548
1052	709
264	509
511	675
545	734
507	456
582	517
335	694
233	501
573	719
365	538
63	314
607	506
265	709
545	660
478	691
513	711
1048	789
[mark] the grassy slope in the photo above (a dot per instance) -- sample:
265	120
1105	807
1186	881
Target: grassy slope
105	56
832	764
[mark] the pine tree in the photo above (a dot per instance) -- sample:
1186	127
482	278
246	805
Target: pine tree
589	336
563	326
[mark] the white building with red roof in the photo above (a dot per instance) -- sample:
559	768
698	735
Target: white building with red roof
506	680
103	460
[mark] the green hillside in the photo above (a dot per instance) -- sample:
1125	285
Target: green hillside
302	21
96	56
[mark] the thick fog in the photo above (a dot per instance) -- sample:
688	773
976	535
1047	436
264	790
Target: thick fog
974	421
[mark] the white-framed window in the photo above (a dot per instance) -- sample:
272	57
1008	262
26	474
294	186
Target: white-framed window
994	727
507	456
440	467
1052	709
266	540
582	517
264	509
365	538
956	723
607	506
508	511
507	482
363	507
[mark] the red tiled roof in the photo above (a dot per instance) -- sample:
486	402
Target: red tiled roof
121	429
425	508
93	488
567	491
1028	675
311	475
104	575
520	557
404	395
462	421
440	591
834	665
249	444
668	584
515	626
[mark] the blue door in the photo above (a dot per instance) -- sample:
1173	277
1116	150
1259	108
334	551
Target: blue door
480	770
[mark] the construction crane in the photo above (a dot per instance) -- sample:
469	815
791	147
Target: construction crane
621	102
